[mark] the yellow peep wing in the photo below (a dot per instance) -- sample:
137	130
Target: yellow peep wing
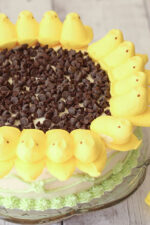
148	75
133	143
29	171
147	199
89	32
94	168
144	57
142	120
8	35
5	167
148	95
62	171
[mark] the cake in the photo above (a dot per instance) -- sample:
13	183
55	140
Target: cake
70	111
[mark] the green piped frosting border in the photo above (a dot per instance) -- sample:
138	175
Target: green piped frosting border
120	171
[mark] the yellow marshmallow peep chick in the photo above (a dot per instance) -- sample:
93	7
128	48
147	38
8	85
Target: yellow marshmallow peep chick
74	34
8	35
118	56
105	45
9	137
147	199
116	132
133	106
32	145
50	29
137	79
27	28
89	151
132	65
60	162
31	151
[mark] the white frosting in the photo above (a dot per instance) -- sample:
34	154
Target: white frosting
14	184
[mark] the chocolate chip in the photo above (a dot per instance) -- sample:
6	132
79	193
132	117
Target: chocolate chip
24	121
11	120
40	113
14	100
56	119
107	112
4	90
78	125
25	108
71	110
65	94
47	123
32	108
61	106
42	97
73	120
6	114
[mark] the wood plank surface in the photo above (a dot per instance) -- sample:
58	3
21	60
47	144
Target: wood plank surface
133	18
13	7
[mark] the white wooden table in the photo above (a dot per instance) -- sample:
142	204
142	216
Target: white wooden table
133	18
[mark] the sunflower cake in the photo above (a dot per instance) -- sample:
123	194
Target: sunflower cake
70	111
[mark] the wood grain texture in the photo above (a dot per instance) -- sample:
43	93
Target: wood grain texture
8	223
13	7
133	18
147	10
132	211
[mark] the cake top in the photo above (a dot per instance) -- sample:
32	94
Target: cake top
64	77
47	89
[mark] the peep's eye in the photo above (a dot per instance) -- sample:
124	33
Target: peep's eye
55	16
32	17
7	142
79	17
37	144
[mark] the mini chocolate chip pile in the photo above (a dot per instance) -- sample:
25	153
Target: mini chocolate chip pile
46	89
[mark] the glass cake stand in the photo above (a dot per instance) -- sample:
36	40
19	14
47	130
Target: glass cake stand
129	185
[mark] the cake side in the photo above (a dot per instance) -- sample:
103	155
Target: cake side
49	193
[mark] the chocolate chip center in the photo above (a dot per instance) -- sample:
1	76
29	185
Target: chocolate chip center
45	88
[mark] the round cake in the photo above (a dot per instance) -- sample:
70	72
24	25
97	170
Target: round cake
70	111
